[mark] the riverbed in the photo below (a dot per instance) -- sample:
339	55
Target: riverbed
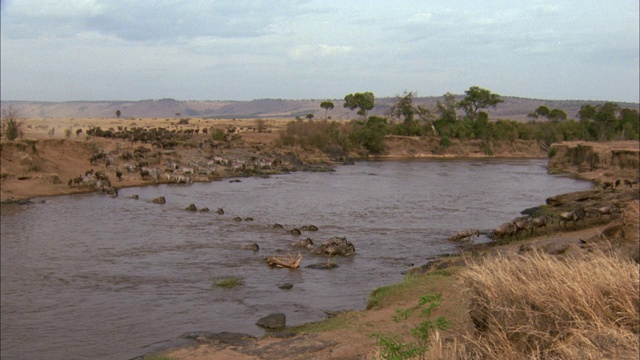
89	276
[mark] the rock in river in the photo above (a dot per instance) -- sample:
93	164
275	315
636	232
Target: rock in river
273	322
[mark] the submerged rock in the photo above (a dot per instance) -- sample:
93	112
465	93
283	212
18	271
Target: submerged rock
159	200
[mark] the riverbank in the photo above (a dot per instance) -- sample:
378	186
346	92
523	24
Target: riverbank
55	156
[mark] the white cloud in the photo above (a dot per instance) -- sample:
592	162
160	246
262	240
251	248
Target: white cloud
420	18
310	51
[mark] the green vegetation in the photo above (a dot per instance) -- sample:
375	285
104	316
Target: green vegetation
228	282
340	321
462	120
395	292
392	346
11	124
217	134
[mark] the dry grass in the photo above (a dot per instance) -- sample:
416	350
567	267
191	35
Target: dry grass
538	307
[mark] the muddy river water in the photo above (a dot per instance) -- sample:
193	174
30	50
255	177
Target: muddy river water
93	277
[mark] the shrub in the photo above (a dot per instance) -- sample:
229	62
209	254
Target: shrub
67	133
445	142
217	135
11	126
552	152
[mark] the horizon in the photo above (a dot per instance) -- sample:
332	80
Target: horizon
315	100
92	50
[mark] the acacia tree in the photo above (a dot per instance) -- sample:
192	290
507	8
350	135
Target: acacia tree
326	105
478	98
11	124
362	101
403	107
118	113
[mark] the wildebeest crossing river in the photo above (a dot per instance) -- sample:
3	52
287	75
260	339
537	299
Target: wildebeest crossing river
89	276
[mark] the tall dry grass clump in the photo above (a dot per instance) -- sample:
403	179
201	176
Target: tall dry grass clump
535	306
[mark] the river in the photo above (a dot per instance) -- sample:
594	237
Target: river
89	276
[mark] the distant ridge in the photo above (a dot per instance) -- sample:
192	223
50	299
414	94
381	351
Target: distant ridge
513	108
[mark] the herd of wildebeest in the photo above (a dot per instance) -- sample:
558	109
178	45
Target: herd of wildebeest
535	223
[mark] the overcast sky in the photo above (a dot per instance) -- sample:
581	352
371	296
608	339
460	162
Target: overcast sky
63	50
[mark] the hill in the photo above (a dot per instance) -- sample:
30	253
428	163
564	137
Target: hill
513	108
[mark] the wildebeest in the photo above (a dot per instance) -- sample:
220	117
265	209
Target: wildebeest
630	183
540	222
574	216
521	224
465	234
307	243
503	231
607	210
607	184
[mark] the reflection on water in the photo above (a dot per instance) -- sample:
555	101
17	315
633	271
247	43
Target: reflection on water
89	276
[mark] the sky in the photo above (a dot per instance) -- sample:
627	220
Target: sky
68	50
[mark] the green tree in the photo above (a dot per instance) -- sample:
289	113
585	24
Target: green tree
362	101
118	113
629	124
403	107
326	105
557	114
309	116
478	98
542	111
11	124
604	117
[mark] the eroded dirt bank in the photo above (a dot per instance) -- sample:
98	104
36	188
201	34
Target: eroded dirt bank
43	163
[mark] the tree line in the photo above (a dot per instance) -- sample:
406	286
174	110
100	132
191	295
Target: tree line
464	120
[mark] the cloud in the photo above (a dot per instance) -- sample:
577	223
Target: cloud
143	21
310	51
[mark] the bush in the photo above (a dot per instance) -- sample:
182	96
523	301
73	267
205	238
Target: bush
11	126
323	135
217	135
552	152
445	142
